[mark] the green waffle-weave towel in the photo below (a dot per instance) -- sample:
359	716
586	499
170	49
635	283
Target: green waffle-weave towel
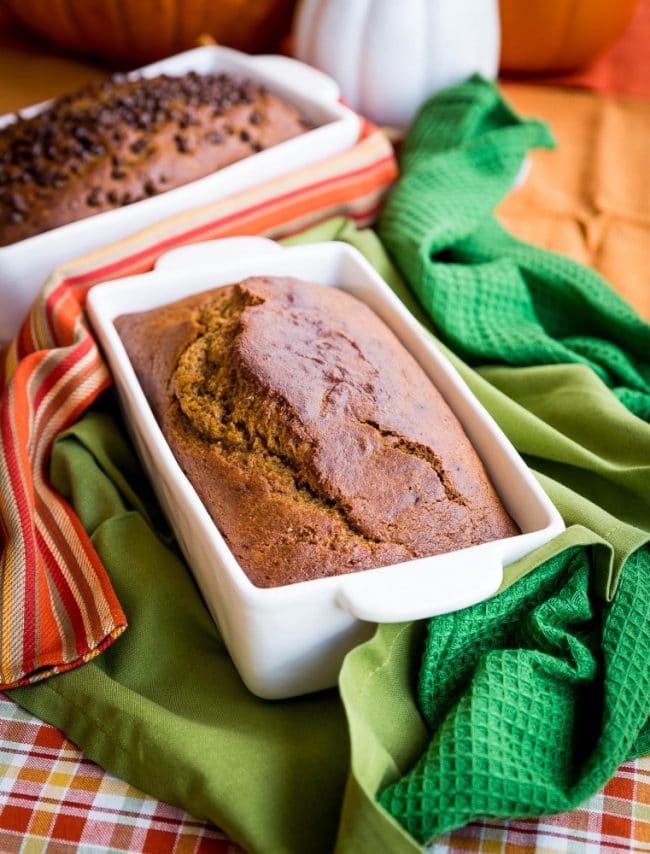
533	698
494	299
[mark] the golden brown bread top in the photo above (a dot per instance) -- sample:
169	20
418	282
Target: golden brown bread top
119	142
315	440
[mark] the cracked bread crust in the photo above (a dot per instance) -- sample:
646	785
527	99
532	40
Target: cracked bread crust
314	439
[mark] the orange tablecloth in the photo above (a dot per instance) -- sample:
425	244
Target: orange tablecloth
590	197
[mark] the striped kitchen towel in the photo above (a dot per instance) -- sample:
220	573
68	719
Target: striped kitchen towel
58	608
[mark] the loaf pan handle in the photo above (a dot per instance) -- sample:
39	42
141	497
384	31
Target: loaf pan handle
318	84
422	588
215	253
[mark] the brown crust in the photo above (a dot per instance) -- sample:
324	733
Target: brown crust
111	145
314	439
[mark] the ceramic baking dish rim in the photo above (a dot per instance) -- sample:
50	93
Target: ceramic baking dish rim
260	596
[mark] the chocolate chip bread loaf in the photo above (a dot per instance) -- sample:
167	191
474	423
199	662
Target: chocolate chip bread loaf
316	442
119	142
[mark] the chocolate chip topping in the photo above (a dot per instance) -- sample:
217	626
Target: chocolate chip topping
18	202
182	145
105	145
81	127
139	145
94	199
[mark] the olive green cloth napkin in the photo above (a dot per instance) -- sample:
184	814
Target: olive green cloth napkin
164	709
535	697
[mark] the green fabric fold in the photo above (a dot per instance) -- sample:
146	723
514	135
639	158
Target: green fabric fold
164	708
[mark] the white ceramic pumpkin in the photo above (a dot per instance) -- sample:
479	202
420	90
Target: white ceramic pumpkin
388	56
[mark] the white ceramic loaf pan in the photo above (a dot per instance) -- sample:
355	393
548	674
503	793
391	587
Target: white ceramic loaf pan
291	640
24	266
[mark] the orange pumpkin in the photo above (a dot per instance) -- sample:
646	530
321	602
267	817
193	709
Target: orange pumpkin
143	30
559	35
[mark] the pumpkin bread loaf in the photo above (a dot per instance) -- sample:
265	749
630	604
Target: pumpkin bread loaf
316	442
116	143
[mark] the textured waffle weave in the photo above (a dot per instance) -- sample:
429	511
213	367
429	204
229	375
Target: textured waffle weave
493	298
534	698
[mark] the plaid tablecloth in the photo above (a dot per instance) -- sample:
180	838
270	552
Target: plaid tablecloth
54	799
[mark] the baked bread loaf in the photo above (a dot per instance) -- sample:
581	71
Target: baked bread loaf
314	439
119	142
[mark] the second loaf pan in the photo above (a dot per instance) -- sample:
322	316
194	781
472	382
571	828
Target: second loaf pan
291	640
25	265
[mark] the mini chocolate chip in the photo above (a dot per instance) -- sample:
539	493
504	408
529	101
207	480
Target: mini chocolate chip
138	145
118	174
162	179
255	118
18	202
149	187
93	200
257	146
126	198
117	136
181	144
244	135
112	197
115	160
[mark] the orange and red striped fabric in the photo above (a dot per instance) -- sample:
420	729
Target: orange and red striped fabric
58	607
